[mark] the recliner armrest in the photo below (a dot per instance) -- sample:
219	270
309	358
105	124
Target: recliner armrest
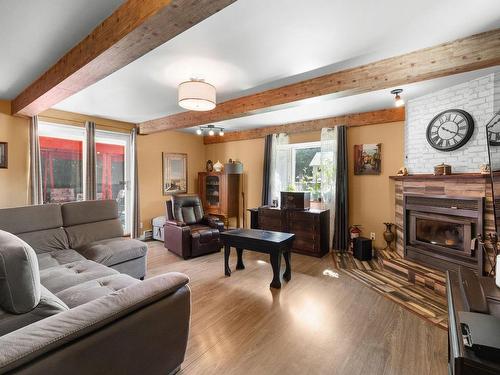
176	223
213	222
152	315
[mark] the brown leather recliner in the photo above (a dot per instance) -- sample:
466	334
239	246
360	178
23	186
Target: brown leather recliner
188	231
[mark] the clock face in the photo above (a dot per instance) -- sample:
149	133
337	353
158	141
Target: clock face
450	130
493	129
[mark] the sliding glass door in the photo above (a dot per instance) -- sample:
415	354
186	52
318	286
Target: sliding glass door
61	157
63	165
113	171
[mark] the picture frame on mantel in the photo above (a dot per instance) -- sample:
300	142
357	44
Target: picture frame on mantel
367	159
4	155
174	173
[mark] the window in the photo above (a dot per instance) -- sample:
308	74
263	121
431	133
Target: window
62	154
299	167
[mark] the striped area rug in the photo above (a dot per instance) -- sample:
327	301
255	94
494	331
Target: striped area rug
420	300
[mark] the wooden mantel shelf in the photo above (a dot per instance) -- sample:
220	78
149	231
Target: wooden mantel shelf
460	176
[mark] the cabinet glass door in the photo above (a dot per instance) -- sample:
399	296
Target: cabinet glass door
212	191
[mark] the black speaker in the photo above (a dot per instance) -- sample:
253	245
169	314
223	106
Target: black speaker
362	248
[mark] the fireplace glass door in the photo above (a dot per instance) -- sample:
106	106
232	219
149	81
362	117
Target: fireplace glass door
441	233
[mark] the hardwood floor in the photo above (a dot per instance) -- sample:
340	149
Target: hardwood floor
316	324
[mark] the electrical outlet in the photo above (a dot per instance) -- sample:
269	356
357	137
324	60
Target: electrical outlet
372	235
141	225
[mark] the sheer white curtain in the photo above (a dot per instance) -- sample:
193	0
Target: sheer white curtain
280	165
328	173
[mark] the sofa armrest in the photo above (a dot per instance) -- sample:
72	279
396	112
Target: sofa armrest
139	329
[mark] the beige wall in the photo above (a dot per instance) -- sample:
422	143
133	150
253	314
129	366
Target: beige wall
251	154
371	198
14	180
149	154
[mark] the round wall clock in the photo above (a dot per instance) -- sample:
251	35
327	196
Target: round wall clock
450	130
493	130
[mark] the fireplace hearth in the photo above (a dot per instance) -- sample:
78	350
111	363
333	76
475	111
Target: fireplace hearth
440	231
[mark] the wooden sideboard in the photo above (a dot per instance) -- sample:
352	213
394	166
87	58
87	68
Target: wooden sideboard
219	194
311	227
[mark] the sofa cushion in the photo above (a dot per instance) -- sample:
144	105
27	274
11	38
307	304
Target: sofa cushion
30	218
57	258
90	290
114	250
46	240
49	305
19	275
83	234
65	276
76	213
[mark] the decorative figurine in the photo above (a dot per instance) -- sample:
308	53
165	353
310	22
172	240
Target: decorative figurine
484	169
218	166
402	172
210	166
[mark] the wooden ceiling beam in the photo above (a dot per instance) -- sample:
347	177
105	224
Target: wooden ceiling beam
463	55
135	28
357	119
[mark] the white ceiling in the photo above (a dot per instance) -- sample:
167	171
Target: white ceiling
253	45
34	34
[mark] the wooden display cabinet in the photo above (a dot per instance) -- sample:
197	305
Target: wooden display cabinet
219	194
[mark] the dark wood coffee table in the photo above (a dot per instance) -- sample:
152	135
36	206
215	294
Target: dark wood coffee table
263	241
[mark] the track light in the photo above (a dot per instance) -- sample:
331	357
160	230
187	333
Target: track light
210	129
398	100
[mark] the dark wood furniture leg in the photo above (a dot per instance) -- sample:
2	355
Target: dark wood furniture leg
275	256
227	252
288	271
239	264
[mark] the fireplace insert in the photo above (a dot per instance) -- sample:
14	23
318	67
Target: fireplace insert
441	231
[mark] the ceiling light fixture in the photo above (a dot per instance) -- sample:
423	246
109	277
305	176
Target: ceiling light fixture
398	100
197	95
210	129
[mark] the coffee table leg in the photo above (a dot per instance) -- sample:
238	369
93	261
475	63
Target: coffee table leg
227	251
276	264
288	271
239	264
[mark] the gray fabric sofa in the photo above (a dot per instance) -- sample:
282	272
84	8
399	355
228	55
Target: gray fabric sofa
71	300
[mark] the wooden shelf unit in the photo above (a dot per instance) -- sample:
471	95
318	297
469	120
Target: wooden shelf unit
219	194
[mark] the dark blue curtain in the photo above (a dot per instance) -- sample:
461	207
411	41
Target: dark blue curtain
341	229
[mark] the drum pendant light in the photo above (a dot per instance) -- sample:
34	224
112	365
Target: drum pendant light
197	95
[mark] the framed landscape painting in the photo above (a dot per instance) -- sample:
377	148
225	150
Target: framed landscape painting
367	159
174	173
3	155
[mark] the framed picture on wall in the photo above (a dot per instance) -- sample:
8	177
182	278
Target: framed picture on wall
174	173
367	159
4	156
